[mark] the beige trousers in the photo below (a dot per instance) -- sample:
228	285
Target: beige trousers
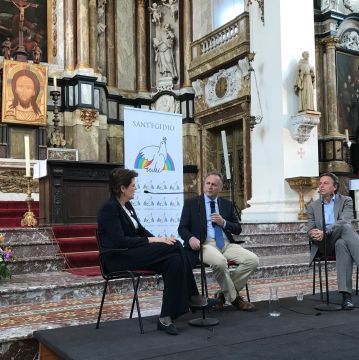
230	283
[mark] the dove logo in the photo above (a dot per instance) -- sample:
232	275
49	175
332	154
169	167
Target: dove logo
155	158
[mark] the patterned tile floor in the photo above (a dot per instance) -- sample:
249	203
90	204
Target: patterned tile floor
18	321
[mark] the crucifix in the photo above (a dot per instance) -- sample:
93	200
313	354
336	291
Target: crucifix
20	53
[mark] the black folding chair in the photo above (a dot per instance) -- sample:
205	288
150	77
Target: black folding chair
317	261
134	275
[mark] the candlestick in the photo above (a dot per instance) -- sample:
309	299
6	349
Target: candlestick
56	137
55	83
27	155
28	218
346	135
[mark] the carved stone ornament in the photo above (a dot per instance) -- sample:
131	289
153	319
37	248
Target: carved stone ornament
343	6
198	87
350	40
261	7
223	86
302	125
13	181
54	28
167	103
327	5
88	117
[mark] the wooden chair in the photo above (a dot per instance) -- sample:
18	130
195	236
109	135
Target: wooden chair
317	261
134	275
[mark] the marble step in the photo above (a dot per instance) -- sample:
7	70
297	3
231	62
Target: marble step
286	227
274	238
264	228
283	249
30	250
55	285
38	264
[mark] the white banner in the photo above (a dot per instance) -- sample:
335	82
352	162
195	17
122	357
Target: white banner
153	148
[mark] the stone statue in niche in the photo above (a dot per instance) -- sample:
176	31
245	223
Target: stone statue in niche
163	46
173	6
304	83
6	48
156	14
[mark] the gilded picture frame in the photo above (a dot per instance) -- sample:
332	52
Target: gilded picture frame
35	29
347	66
24	99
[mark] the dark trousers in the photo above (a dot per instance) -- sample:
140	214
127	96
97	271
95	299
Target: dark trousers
172	264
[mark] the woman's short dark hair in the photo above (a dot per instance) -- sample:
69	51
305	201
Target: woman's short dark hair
334	178
120	177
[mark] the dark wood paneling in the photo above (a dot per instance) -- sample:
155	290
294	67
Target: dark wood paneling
73	191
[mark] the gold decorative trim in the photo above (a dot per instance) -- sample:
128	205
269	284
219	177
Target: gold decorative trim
330	42
51	30
13	181
298	183
82	66
88	117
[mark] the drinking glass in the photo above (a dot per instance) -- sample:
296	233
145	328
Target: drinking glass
274	307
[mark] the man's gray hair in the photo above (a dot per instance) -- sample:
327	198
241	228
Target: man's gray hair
215	173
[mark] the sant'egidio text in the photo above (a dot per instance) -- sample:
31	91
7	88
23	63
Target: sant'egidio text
151	125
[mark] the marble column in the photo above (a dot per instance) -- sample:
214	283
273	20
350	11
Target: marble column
319	82
275	65
83	38
141	46
331	86
110	43
70	46
101	38
187	39
93	32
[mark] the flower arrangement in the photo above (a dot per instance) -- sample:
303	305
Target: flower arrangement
6	256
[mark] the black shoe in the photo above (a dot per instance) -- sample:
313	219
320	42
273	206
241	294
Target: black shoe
348	304
198	302
169	329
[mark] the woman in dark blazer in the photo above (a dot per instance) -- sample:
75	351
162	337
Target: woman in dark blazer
119	228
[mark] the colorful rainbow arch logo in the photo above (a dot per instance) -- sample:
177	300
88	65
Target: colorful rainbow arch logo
142	163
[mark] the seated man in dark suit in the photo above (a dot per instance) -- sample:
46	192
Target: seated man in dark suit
211	219
340	234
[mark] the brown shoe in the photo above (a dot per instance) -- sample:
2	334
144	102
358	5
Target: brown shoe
221	300
241	304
